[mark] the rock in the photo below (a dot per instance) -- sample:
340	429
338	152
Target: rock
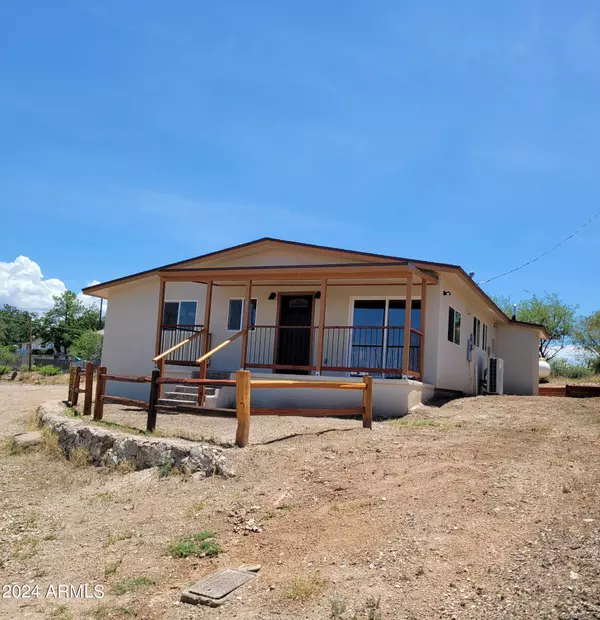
251	568
574	575
108	447
27	440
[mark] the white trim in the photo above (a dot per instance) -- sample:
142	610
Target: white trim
242	299
178	301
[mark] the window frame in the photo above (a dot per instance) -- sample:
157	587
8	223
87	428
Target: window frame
179	302
476	332
484	337
387	299
452	322
243	300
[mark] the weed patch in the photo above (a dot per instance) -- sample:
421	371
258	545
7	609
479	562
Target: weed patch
199	545
129	585
304	587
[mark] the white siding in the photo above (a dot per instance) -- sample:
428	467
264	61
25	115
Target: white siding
518	347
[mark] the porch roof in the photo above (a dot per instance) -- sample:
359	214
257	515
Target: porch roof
341	272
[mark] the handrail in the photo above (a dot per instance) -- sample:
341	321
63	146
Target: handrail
179	344
224	344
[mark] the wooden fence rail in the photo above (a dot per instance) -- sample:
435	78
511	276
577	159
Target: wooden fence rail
243	386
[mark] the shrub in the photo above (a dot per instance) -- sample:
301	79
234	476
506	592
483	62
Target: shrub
48	370
595	365
7	357
562	368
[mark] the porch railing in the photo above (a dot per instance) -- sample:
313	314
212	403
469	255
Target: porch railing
281	347
186	354
366	349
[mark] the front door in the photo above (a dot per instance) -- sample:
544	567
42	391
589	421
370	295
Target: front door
295	332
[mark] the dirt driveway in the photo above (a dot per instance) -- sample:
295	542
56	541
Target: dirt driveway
483	508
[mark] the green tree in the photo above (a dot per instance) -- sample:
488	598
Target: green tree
88	345
587	335
558	317
14	325
67	320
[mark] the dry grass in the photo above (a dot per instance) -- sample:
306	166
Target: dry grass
35	378
304	587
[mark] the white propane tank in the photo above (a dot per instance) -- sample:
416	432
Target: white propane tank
545	369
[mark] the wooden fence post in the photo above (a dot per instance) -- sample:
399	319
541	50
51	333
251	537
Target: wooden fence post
71	383
100	385
242	407
89	386
76	383
367	402
152	400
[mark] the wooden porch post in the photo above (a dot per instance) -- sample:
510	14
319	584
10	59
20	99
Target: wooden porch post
322	310
407	312
246	323
161	309
205	339
423	325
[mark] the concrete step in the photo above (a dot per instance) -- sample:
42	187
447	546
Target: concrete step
191	397
186	389
175	402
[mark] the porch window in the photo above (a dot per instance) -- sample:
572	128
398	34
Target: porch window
454	322
180	312
235	317
372	344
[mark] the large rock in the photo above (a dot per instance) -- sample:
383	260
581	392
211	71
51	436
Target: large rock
27	440
108	447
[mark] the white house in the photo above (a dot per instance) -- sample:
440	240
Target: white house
288	308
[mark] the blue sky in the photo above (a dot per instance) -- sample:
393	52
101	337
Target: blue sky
142	132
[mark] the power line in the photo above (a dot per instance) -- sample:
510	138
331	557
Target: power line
533	260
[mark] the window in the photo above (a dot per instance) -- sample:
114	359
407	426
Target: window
377	348
235	317
180	313
476	332
484	337
454	321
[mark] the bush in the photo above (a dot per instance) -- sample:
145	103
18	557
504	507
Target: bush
595	366
48	370
7	357
562	368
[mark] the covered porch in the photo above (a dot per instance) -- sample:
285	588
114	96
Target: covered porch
336	319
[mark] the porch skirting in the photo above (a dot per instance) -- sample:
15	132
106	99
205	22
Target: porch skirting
391	397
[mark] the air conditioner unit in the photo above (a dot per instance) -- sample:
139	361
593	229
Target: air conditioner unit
495	376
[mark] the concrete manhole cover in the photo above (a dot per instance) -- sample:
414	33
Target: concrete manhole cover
216	588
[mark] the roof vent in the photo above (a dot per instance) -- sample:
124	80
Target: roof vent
471	274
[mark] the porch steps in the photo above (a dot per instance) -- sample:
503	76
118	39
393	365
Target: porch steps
187	396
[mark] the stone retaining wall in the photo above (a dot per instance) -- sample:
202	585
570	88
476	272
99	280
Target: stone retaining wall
108	447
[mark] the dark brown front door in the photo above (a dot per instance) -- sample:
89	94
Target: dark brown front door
295	333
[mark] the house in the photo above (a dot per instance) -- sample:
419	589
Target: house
37	344
288	308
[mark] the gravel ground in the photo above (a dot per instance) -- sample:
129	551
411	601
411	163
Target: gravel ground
221	430
484	508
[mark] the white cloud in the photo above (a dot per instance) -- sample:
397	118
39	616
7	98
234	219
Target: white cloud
88	300
22	284
572	353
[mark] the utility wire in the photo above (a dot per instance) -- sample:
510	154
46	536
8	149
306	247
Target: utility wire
533	260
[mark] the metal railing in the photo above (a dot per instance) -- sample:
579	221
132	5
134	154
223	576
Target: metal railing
187	353
357	349
281	347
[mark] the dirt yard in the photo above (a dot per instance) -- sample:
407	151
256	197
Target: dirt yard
482	508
